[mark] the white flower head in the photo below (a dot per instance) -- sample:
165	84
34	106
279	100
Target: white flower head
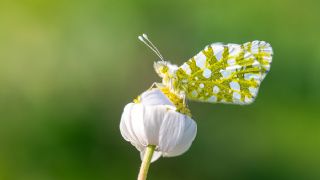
154	119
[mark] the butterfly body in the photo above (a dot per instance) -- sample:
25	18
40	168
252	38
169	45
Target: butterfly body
230	73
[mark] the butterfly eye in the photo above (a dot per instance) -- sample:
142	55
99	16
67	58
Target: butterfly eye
164	69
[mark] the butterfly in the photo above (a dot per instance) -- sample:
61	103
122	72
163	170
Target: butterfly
220	73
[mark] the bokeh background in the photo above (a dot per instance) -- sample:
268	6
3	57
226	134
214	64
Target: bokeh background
67	68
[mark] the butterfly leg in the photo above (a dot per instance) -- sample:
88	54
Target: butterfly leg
184	100
155	85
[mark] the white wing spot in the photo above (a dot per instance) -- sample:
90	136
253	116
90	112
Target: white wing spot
217	50
235	85
232	61
186	68
234	49
268	58
248	100
236	96
262	43
248	55
200	59
255	47
212	99
233	68
267	67
249	76
225	73
206	48
216	89
206	73
253	91
194	93
223	101
255	63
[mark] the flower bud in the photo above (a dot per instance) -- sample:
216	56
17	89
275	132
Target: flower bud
153	119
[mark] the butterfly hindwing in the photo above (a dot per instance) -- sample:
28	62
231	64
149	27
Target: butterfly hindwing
229	73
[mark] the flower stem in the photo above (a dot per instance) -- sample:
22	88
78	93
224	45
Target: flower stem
146	162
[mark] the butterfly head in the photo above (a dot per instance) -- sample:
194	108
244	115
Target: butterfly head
166	71
161	67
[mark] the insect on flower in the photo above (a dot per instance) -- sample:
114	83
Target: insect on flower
220	73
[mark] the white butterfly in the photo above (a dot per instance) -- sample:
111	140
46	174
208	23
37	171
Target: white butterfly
230	73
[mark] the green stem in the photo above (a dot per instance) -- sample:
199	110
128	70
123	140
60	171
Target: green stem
146	162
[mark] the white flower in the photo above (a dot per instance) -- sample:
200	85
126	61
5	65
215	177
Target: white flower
153	120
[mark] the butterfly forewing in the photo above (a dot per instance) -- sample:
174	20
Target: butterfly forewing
229	73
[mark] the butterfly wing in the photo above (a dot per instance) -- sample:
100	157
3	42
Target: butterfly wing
229	73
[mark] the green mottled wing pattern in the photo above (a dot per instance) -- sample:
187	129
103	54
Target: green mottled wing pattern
230	73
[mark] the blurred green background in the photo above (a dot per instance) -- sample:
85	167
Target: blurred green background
67	69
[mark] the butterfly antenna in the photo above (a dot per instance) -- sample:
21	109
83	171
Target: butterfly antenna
146	41
146	37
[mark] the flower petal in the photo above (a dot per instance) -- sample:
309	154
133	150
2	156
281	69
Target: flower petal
156	155
136	125
189	134
153	116
171	130
125	117
125	127
155	97
131	125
